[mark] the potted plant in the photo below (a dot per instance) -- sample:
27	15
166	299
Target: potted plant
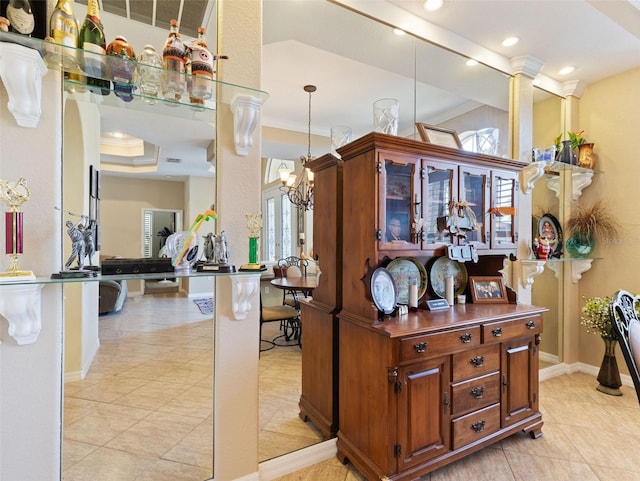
596	319
585	224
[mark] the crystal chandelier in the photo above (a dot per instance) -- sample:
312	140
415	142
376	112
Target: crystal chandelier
300	192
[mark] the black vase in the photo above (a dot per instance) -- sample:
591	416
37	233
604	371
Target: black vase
609	375
566	155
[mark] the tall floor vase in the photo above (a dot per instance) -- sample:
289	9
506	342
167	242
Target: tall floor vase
609	375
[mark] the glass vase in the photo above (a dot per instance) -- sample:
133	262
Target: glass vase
580	245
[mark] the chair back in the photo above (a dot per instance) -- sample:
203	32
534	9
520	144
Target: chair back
624	318
294	271
291	261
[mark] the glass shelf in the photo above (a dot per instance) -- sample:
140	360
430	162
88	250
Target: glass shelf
554	168
18	281
76	61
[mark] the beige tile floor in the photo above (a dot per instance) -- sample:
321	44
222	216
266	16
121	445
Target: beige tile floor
588	436
144	412
144	409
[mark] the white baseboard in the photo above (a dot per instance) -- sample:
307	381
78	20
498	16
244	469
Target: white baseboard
72	376
550	358
562	368
274	468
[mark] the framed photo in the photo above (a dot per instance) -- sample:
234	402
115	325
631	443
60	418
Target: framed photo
488	290
439	136
549	228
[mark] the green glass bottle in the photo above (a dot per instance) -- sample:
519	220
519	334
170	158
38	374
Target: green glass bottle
91	40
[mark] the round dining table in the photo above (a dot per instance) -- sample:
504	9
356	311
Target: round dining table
304	284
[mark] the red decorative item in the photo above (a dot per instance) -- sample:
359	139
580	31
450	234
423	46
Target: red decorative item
13	232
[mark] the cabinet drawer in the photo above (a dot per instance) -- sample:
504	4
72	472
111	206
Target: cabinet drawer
475	394
476	425
476	362
499	331
431	345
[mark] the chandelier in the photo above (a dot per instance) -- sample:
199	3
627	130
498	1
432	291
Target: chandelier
300	191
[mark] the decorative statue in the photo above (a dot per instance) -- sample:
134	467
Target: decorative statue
76	234
208	247
221	253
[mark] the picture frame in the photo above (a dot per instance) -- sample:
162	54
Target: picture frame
488	290
438	135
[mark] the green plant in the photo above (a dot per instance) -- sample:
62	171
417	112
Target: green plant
595	317
592	220
576	139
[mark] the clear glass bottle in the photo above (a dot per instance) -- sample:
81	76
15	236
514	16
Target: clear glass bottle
200	66
21	17
149	79
173	61
122	67
63	29
91	40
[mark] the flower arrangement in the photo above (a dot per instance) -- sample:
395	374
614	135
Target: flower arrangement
593	221
595	317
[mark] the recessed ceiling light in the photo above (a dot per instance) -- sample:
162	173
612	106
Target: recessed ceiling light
433	5
566	70
510	41
399	32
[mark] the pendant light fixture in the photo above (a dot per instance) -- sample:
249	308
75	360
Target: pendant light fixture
300	192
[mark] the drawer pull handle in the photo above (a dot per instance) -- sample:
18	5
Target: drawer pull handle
531	325
497	332
479	426
477	361
420	346
477	392
466	338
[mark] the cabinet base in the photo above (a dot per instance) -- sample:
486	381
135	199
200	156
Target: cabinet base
309	413
348	452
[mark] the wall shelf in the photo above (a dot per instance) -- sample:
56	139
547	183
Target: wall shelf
40	55
20	296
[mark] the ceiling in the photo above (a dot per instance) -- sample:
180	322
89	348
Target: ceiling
353	63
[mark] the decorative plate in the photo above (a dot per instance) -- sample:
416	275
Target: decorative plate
549	227
443	267
401	268
383	290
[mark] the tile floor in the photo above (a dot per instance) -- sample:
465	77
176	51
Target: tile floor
588	436
144	413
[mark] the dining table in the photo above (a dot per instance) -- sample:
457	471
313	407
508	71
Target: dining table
303	284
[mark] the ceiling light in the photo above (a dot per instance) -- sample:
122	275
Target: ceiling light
510	41
300	192
471	62
566	70
399	32
433	5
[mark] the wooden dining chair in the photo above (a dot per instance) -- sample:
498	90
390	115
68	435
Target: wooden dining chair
289	323
624	318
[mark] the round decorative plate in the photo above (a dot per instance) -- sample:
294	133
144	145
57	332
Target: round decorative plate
401	269
383	290
443	267
549	227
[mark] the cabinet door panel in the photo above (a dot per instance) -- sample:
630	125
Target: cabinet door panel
441	186
423	411
474	191
504	206
400	202
519	380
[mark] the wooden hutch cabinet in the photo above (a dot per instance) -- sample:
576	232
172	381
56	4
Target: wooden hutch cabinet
408	394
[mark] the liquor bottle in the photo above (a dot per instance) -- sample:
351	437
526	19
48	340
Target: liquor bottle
173	60
122	67
91	40
149	73
200	68
63	29
21	17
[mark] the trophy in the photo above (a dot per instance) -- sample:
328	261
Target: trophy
14	195
254	225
